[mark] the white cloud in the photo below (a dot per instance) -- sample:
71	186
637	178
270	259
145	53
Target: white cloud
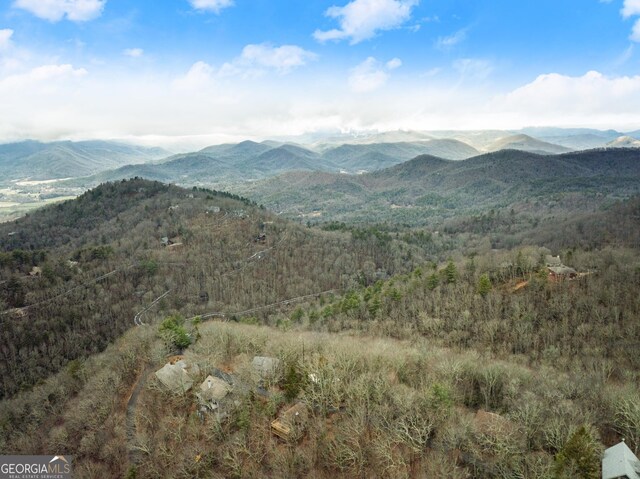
361	19
473	68
199	75
367	76
283	58
630	8
432	72
255	59
5	38
56	10
394	63
590	98
202	107
445	43
133	52
211	5
42	74
635	33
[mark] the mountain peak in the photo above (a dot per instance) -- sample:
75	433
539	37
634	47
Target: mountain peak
624	142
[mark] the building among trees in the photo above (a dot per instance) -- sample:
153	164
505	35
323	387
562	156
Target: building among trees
619	462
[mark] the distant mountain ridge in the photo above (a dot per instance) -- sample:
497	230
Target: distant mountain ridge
43	161
89	163
429	188
219	165
624	142
524	142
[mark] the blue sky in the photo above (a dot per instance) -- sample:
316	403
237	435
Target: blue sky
202	71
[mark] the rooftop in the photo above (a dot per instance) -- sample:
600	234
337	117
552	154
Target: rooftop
619	462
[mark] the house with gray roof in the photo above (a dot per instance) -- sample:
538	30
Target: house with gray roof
178	376
619	462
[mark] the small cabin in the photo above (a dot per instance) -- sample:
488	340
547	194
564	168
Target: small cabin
561	273
619	462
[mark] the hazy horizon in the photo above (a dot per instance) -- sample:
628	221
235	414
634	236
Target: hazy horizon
211	71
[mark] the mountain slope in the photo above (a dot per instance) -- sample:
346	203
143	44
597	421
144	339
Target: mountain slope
431	189
43	161
222	165
377	156
284	158
624	142
100	260
524	142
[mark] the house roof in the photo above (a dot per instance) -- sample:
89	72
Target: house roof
176	376
553	260
562	270
213	389
265	367
620	461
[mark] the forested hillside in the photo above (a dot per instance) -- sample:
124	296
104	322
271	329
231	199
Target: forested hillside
475	367
74	275
408	352
227	164
430	190
34	160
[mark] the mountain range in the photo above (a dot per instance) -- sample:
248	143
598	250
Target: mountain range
88	163
231	163
34	160
430	189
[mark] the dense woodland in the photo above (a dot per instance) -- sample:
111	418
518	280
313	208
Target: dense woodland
431	191
417	335
101	261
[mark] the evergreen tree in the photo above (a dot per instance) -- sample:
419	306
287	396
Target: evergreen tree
451	273
484	285
432	282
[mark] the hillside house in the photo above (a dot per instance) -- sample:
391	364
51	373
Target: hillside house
178	376
557	270
553	261
619	462
213	390
561	273
265	367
